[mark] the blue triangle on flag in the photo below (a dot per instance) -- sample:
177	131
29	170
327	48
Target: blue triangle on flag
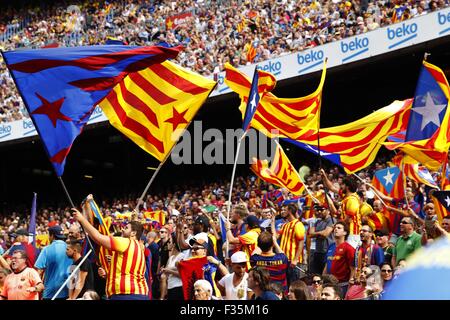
388	177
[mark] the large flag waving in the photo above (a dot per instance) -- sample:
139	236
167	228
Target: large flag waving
354	145
278	117
61	86
280	173
427	136
152	107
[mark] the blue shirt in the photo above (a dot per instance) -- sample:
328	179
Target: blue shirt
267	295
54	260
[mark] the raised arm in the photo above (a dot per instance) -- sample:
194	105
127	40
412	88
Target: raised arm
327	181
93	233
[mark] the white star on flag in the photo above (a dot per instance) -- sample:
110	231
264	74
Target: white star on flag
447	200
253	103
388	178
430	112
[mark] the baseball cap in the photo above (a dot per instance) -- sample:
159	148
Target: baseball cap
239	257
200	239
57	231
252	221
203	220
21	232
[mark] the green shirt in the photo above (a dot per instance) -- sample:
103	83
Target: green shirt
404	247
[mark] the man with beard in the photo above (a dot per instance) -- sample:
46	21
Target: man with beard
84	278
368	253
24	283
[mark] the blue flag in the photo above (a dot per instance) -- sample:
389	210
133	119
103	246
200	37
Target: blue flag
62	86
429	107
253	101
32	226
223	229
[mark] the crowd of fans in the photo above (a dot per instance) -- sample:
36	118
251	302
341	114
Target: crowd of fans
212	32
346	240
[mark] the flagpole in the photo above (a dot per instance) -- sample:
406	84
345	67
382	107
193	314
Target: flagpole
379	198
141	199
72	274
231	189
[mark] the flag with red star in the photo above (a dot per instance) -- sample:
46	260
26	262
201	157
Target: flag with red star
62	86
154	106
280	173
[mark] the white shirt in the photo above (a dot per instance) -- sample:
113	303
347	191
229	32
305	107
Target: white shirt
232	292
174	281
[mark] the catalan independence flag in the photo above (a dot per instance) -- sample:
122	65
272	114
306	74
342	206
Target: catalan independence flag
153	106
251	52
427	138
441	200
62	86
292	118
280	173
104	225
389	181
354	146
158	216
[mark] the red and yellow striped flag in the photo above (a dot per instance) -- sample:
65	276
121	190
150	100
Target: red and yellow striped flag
280	173
354	145
292	118
152	107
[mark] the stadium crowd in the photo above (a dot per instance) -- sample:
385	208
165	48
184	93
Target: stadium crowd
212	32
349	243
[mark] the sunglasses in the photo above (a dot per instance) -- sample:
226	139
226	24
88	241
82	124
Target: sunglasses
317	281
197	248
405	222
386	270
163	231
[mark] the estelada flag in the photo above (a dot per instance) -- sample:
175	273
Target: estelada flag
389	182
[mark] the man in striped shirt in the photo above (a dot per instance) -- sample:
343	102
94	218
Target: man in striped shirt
292	235
125	278
351	210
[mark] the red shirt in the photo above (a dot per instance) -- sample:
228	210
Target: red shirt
339	260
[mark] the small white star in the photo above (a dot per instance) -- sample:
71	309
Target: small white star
430	112
388	178
253	103
448	201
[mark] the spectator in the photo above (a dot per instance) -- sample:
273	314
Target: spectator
322	232
382	241
202	290
248	240
331	292
84	279
368	253
316	286
234	286
386	274
298	290
54	264
341	256
24	283
275	263
131	280
409	241
170	272
21	243
292	235
258	282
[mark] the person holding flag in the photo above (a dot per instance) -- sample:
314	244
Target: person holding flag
126	274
